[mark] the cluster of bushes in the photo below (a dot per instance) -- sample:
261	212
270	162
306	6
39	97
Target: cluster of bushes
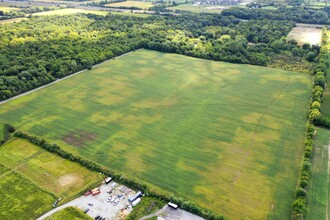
7	130
315	118
54	148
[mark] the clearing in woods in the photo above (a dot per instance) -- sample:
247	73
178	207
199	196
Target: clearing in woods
305	33
35	178
220	134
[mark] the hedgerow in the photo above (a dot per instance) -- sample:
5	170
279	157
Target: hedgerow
315	117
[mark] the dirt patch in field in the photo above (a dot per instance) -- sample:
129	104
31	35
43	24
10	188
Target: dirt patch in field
70	179
78	138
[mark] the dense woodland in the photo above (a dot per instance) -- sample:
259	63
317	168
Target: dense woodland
297	14
39	50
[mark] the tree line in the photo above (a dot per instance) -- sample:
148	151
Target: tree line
183	204
315	117
297	14
39	50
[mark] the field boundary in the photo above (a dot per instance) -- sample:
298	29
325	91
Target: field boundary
66	77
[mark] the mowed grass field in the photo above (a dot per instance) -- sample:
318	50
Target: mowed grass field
138	4
31	179
318	197
8	9
69	11
229	137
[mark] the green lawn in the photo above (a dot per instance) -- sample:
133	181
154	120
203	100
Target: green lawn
70	213
319	188
220	134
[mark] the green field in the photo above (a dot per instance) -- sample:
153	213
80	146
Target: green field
20	198
326	95
138	4
31	179
9	21
52	173
220	134
8	9
69	11
70	213
319	188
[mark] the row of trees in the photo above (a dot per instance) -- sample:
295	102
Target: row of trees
184	204
297	14
315	118
323	64
37	51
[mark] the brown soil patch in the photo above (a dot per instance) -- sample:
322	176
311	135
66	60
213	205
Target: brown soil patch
78	138
70	179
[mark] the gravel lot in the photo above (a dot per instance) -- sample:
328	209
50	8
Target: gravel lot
167	213
99	205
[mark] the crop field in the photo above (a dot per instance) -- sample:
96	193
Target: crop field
304	34
319	188
20	197
138	4
220	134
69	11
52	173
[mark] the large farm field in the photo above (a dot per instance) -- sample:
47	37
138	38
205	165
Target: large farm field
31	179
229	137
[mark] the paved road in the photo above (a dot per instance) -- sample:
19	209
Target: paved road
56	81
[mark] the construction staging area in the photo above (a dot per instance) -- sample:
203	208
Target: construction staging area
110	202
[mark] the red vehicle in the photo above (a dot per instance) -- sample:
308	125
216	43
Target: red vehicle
88	193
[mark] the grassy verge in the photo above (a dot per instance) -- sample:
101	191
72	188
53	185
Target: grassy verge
71	213
319	187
